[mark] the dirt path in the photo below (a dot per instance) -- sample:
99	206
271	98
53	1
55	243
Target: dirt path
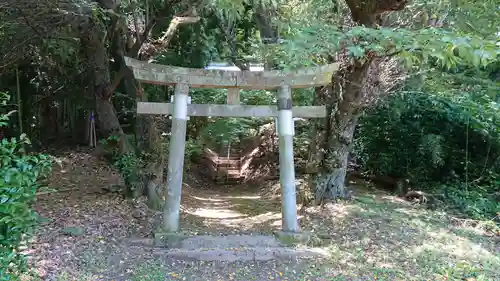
229	210
87	235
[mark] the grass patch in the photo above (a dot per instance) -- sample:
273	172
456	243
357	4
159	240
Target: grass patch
380	239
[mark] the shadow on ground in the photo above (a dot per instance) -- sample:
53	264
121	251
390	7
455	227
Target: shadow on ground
229	210
375	237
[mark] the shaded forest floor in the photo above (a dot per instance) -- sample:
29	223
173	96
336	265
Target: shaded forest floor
86	234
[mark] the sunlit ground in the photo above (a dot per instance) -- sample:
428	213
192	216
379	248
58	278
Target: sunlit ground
375	237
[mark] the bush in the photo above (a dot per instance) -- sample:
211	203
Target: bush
19	174
429	138
476	203
447	145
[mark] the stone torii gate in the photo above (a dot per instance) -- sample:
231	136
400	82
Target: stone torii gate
183	78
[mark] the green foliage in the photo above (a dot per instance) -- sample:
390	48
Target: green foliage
315	29
219	130
431	137
19	174
223	130
192	153
445	141
127	164
476	202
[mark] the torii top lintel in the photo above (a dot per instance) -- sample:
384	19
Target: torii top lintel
203	78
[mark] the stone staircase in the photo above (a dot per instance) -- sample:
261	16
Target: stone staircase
225	164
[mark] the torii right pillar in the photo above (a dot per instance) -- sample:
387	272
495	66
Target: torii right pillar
286	132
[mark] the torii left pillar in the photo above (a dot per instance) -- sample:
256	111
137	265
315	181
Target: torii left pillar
171	210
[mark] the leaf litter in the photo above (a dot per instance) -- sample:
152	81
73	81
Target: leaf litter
86	234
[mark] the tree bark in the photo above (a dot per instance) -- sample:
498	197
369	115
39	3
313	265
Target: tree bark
148	132
146	179
148	137
91	33
332	138
356	85
98	67
268	30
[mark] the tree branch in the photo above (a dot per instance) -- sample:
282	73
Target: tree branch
164	41
138	43
134	15
229	33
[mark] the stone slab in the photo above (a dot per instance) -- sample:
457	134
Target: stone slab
243	254
232	248
229	241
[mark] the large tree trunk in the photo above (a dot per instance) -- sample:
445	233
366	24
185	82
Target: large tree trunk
148	137
141	180
264	19
151	146
333	137
148	131
354	87
98	68
148	177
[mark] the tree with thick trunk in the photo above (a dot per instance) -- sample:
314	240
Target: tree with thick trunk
102	43
96	55
148	178
353	87
150	145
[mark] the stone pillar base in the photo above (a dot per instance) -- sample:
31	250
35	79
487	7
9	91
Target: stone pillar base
164	239
292	238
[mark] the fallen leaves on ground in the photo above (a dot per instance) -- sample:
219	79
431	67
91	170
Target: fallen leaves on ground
83	233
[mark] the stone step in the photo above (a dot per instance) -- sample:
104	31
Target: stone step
230	158
225	160
229	176
237	248
228	241
213	241
242	254
229	163
223	173
228	167
229	181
